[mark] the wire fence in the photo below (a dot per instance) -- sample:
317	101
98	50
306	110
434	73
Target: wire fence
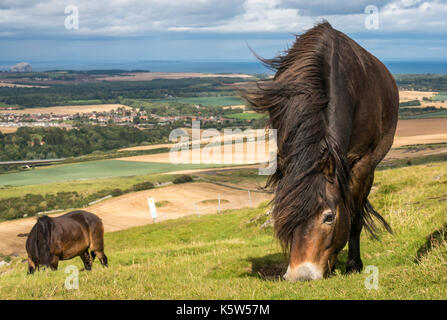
234	199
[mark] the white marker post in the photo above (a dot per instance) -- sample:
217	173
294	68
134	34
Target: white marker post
152	208
218	204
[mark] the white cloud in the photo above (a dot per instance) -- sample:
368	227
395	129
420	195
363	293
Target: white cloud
108	18
260	16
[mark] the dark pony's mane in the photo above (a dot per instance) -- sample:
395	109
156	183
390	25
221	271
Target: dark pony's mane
308	156
43	240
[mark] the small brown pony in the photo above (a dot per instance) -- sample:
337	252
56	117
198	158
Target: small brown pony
334	106
65	237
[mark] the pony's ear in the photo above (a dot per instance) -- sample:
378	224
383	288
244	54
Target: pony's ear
328	169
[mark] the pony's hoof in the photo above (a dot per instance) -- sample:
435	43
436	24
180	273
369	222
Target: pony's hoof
353	266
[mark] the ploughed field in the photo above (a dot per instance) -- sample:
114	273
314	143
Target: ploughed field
230	255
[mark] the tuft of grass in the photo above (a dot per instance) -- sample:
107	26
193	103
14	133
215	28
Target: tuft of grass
162	203
230	256
213	201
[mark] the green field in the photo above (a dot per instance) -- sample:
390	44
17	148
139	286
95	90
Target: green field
229	256
83	102
441	96
206	101
92	170
246	116
436	114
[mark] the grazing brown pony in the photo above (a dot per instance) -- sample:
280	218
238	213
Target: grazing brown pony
334	106
65	237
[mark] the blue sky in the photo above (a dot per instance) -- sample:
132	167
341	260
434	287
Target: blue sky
33	30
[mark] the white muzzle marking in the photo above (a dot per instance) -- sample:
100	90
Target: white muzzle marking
304	272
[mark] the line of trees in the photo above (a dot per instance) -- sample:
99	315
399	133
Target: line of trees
30	143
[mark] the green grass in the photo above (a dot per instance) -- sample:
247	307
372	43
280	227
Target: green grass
246	116
92	170
206	101
228	256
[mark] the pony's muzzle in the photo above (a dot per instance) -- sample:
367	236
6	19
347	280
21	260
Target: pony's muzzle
304	272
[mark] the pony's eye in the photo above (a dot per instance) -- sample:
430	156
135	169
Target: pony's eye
329	218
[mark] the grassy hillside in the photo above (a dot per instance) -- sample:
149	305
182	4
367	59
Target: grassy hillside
230	256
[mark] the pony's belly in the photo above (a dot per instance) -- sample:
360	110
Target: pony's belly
72	250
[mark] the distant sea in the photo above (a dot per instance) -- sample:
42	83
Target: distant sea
249	67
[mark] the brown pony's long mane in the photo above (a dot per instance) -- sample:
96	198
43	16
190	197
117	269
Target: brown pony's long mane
43	237
296	101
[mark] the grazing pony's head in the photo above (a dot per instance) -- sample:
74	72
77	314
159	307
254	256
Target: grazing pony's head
312	206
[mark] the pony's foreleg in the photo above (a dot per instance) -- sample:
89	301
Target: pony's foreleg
354	262
31	266
361	182
54	262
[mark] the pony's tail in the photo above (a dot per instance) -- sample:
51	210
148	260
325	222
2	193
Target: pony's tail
43	237
369	215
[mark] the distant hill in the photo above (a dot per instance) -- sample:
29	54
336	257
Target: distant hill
21	67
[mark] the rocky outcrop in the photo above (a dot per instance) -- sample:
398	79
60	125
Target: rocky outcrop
20	67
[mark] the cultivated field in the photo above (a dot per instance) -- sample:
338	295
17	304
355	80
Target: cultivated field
69	109
231	256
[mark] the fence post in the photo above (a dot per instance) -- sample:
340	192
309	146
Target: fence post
197	209
249	198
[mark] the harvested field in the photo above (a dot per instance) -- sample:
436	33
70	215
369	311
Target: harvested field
420	139
150	147
188	131
417	127
240	106
242	153
132	210
407	95
68	109
8	129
